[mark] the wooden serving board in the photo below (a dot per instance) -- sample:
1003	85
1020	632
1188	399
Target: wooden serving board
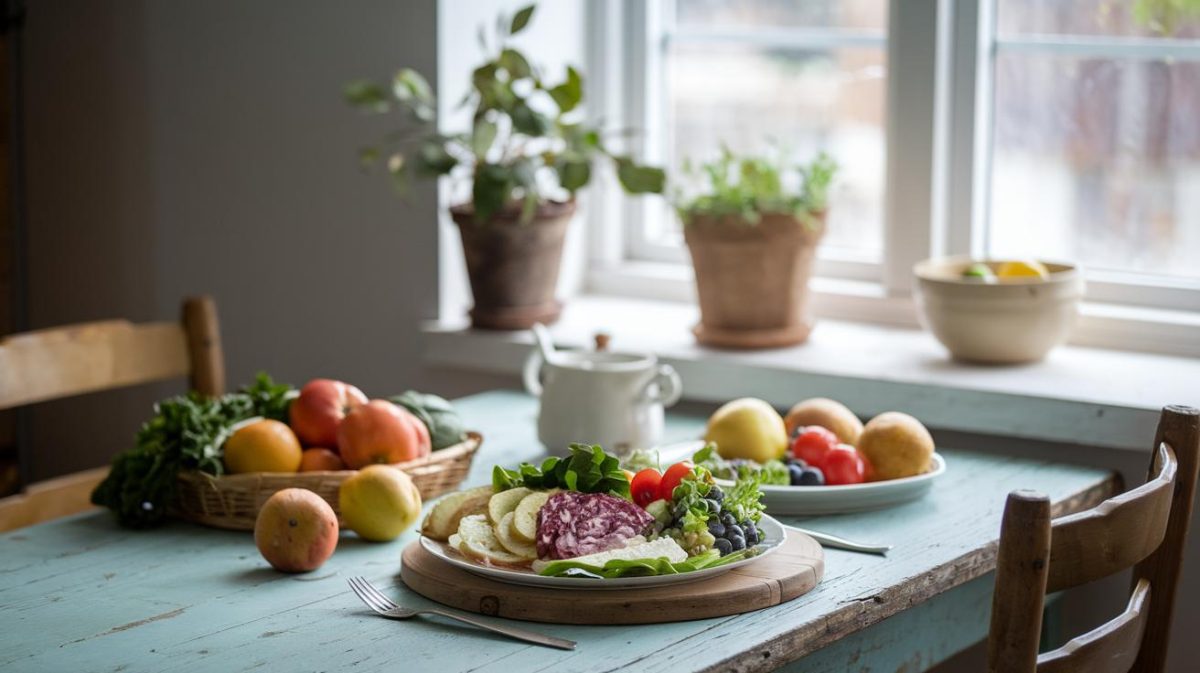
789	572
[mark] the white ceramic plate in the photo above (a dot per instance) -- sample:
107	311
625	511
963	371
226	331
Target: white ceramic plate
773	536
814	500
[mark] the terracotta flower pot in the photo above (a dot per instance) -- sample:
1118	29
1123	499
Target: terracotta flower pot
513	267
752	279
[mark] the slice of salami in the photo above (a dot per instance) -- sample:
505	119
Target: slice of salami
573	524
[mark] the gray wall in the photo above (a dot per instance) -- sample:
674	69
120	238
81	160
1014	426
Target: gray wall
203	147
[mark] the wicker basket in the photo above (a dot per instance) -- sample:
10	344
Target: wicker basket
233	501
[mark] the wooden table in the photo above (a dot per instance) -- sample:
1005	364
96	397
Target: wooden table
81	594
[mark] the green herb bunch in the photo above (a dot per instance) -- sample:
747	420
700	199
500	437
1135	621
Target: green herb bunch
747	187
186	432
526	137
588	469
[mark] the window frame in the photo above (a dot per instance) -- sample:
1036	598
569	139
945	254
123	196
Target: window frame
940	58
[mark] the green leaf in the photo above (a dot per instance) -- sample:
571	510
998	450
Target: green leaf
526	120
434	158
640	179
515	64
410	85
482	137
490	191
573	174
568	95
521	19
367	96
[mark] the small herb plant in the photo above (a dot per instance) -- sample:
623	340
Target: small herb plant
526	143
747	187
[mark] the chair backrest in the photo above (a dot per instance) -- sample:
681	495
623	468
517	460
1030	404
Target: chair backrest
64	361
1144	528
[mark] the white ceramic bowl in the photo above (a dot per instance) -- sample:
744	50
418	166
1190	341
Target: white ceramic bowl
1007	321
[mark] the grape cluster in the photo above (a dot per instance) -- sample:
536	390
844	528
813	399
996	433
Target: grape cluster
801	473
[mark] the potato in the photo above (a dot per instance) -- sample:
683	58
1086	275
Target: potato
509	540
506	501
478	540
442	521
525	517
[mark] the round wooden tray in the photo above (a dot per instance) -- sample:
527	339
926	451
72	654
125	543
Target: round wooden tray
791	571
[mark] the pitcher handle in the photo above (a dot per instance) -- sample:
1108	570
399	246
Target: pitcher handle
670	387
532	373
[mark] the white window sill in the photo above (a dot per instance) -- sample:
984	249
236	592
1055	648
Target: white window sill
1077	395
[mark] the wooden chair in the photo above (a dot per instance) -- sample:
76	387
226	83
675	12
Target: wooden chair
64	361
1144	528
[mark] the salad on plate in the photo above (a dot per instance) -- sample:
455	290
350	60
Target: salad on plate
584	516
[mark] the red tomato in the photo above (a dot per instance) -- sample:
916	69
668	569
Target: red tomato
844	465
812	443
672	477
644	486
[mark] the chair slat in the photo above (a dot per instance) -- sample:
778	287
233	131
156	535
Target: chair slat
50	499
1111	648
1116	534
54	363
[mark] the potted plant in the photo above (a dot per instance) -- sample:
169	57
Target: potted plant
752	232
525	156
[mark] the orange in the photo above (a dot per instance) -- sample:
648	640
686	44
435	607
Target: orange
320	460
262	446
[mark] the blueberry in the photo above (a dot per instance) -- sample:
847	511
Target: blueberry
715	493
812	476
795	473
716	528
727	519
751	535
737	542
712	506
735	531
680	510
722	545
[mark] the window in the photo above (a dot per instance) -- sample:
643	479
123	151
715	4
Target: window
1060	129
1096	138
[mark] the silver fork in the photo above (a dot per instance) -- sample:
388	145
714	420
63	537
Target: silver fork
383	605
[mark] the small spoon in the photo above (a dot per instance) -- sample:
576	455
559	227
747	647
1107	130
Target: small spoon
836	542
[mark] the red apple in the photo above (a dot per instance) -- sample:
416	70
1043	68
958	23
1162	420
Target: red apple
381	432
323	403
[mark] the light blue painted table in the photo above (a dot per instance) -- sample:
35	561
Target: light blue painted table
81	594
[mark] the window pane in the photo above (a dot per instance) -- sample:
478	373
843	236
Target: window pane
1097	160
859	14
1126	18
804	100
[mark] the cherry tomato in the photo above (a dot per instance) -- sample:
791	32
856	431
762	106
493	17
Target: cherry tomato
844	465
812	443
644	486
672	477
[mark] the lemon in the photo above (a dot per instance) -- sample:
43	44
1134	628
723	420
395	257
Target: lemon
379	503
1025	269
747	428
263	446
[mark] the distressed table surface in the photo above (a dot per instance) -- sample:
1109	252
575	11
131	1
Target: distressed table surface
81	594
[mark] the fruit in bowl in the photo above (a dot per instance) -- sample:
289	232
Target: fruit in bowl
998	311
381	432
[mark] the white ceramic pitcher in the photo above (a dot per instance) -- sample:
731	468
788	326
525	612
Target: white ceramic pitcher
615	400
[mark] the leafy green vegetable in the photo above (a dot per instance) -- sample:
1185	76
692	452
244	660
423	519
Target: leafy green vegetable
771	472
186	433
646	567
641	459
747	187
445	426
744	500
588	469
